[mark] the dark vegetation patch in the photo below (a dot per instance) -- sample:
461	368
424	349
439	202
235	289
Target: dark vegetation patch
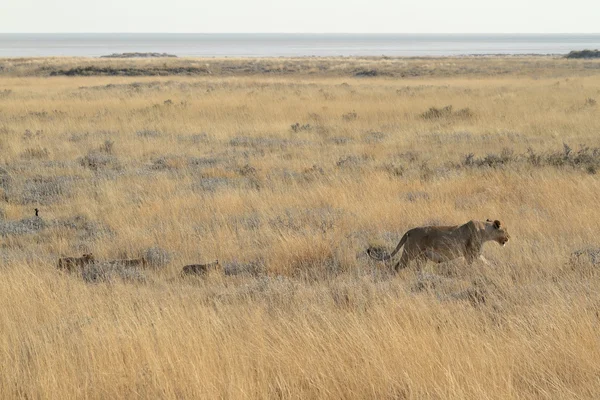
99	160
367	73
130	71
5	181
447	112
350	116
130	87
107	147
168	162
589	255
340	140
247	170
22	227
83	229
148	133
297	127
352	161
586	158
265	142
162	86
138	55
45	190
79	136
394	169
204	162
29	134
583	54
505	157
196	138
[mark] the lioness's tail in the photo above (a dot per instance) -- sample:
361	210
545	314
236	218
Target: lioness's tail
396	250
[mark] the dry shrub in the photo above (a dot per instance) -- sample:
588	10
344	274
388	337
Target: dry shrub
45	190
446	113
297	127
350	116
157	257
22	227
586	159
97	160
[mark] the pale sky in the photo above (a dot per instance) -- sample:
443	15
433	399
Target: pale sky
302	16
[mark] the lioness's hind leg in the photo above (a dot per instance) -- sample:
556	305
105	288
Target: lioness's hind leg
407	258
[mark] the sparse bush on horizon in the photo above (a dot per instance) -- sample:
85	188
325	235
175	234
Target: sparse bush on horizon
583	54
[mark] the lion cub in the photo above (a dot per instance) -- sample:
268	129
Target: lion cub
198	269
72	263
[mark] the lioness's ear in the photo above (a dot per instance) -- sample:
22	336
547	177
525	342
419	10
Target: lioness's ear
496	224
488	220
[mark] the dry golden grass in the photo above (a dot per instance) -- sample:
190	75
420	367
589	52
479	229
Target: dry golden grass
195	168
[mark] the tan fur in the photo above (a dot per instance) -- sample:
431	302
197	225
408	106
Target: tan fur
445	243
72	263
198	269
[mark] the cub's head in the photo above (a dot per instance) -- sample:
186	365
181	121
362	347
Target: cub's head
497	231
88	257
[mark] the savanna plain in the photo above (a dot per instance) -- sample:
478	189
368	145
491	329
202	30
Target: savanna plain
286	171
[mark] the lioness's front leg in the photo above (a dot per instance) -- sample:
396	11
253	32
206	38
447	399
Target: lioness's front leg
483	259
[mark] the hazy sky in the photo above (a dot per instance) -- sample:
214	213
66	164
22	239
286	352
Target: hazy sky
385	16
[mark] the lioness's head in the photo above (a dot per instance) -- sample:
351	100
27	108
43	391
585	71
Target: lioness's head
88	257
497	231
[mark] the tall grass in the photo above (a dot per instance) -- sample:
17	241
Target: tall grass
286	180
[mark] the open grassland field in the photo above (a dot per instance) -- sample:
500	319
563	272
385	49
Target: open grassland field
286	171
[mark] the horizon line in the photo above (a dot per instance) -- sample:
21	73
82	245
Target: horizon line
304	33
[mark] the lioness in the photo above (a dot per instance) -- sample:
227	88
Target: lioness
198	269
72	263
445	243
